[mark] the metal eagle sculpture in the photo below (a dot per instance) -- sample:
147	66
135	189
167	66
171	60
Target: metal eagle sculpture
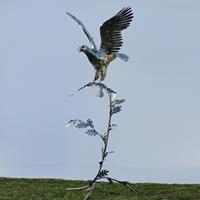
111	42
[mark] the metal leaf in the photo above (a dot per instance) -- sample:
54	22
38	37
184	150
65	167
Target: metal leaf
69	123
82	124
119	101
90	123
92	132
116	109
103	173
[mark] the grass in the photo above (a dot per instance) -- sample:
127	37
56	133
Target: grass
54	189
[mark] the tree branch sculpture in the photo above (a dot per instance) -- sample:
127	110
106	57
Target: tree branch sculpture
114	108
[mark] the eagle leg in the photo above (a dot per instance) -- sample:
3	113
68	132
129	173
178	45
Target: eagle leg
103	72
97	75
100	73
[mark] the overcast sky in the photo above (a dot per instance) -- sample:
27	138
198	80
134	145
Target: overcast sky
158	133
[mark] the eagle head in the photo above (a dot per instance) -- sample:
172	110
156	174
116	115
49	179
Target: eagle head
83	48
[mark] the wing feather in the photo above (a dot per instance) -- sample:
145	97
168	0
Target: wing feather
110	31
84	29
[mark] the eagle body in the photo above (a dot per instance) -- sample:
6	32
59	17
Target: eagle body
111	42
99	60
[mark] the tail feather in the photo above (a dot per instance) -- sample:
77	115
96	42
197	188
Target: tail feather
122	56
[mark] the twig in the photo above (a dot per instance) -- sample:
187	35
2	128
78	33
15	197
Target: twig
78	188
124	183
90	192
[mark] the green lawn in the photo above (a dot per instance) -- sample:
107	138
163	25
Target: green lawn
54	189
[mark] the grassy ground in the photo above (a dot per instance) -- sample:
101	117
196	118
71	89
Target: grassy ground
53	189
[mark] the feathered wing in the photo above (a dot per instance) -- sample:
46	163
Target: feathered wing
110	31
84	29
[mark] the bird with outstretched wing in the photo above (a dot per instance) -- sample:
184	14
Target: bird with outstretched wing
111	42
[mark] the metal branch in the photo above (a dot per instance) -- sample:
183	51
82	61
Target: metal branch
104	153
99	175
78	188
90	192
124	183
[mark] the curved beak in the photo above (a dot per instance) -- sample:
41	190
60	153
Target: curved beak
79	49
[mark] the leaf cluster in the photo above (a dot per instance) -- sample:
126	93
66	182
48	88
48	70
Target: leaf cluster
81	125
103	173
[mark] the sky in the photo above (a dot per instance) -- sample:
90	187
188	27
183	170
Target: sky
158	130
